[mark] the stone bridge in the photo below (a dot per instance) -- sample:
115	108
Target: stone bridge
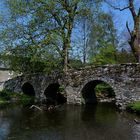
79	84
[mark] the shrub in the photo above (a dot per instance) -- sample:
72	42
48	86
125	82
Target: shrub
26	100
8	96
134	107
5	94
104	89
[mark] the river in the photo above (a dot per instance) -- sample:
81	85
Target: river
69	122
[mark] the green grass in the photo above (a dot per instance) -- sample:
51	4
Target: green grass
7	97
104	90
26	100
134	107
2	101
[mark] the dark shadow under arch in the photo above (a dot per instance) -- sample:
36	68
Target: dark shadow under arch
28	89
53	95
89	92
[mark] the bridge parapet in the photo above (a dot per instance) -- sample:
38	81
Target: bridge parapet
129	69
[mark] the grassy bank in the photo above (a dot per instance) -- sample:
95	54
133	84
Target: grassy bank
8	97
134	107
104	90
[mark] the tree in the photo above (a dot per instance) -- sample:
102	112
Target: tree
81	47
102	40
42	26
123	56
106	55
134	41
86	26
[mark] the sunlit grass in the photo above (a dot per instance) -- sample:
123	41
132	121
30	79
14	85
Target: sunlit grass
135	107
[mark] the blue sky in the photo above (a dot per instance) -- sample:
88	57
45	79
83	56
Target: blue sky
119	17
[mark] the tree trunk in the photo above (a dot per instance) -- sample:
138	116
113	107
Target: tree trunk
135	34
65	59
85	43
135	39
66	45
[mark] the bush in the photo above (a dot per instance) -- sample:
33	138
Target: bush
105	90
134	107
7	96
2	101
26	100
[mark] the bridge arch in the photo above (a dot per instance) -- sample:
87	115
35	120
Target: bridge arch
88	92
28	89
53	94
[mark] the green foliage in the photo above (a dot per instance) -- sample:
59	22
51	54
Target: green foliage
30	64
124	56
75	63
104	89
39	30
7	96
61	89
102	40
134	107
106	55
26	100
2	101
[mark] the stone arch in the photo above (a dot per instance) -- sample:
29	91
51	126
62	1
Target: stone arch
53	95
88	90
28	89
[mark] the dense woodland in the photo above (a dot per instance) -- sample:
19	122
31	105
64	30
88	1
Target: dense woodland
46	35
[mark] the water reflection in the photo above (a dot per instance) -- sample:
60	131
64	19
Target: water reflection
4	129
101	122
136	131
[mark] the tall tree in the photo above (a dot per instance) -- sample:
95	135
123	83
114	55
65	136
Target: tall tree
41	24
134	41
102	40
83	32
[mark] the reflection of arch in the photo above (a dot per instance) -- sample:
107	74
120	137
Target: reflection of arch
88	91
28	89
53	95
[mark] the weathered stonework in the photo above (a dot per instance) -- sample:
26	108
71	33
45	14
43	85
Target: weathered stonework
123	78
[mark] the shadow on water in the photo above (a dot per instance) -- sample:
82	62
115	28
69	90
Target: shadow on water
69	122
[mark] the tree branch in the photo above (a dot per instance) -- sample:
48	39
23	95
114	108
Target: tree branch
132	9
117	8
128	29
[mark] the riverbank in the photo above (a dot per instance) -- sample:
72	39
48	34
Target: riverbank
134	107
8	97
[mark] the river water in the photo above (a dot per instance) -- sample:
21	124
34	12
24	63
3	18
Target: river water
69	122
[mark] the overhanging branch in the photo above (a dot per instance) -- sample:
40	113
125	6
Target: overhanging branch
117	8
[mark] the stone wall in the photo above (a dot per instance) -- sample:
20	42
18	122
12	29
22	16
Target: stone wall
123	78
